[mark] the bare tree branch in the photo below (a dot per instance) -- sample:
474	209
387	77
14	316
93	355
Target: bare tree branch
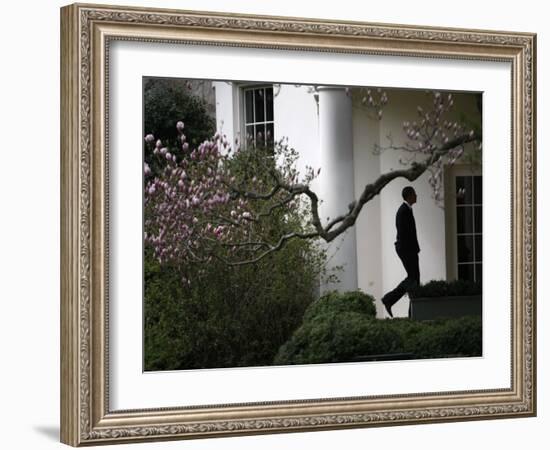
340	224
282	241
373	189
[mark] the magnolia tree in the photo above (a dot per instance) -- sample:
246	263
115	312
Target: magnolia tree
216	201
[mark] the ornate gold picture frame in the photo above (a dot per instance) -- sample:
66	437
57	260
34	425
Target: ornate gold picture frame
87	415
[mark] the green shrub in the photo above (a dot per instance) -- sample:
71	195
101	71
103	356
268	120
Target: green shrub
329	338
169	320
452	337
336	302
441	288
229	316
336	330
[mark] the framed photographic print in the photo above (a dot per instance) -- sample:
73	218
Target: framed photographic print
267	222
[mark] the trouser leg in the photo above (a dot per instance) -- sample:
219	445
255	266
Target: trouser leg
413	274
410	263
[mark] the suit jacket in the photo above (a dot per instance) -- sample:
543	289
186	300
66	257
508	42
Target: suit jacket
406	241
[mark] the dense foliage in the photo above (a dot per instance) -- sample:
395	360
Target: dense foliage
339	335
336	302
227	316
446	338
233	316
442	288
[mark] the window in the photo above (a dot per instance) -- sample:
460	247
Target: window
469	227
258	115
464	222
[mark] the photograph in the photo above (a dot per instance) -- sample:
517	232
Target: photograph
289	224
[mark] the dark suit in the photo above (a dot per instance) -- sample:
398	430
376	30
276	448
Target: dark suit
407	248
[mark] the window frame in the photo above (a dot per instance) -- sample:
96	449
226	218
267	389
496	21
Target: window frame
243	88
450	207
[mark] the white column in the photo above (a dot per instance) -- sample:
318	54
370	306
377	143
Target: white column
337	180
226	116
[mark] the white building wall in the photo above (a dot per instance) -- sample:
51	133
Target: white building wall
366	133
227	109
296	118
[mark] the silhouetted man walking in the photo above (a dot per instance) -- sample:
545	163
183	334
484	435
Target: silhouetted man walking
407	248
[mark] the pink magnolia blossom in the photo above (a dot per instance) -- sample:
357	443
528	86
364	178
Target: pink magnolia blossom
191	204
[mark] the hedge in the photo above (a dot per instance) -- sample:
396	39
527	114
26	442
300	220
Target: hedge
335	302
441	288
331	333
338	338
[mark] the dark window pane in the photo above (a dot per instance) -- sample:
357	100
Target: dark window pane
250	134
479	248
478	219
464	219
478	190
269	103
259	104
465	247
269	133
466	272
249	106
464	190
479	273
260	135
